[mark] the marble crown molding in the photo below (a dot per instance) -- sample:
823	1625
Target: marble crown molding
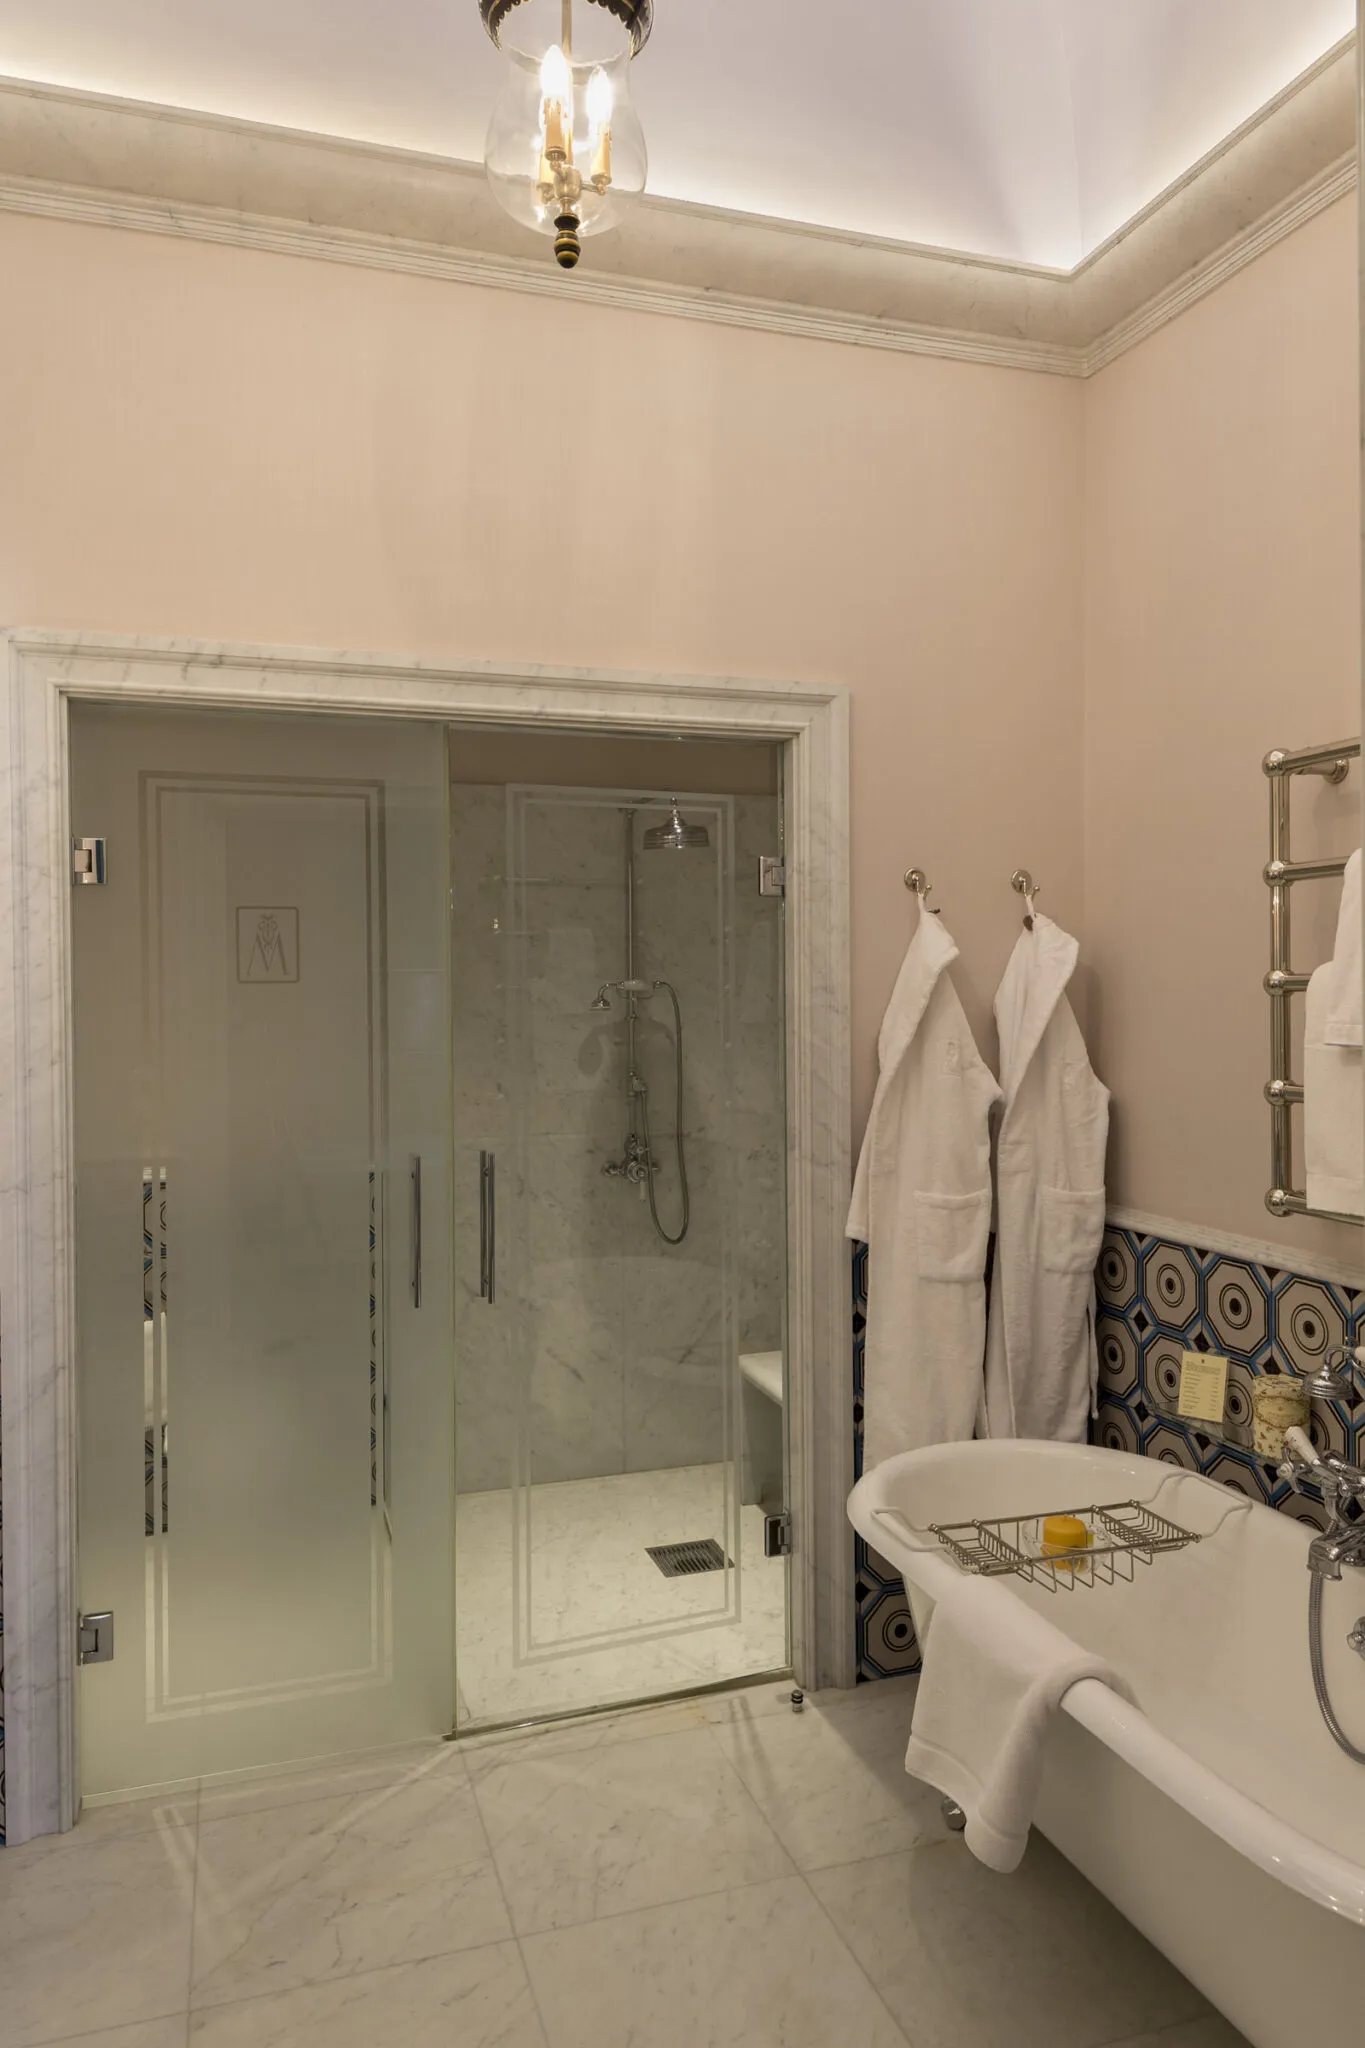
163	170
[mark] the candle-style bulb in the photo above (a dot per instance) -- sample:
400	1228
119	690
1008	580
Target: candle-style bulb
556	78
556	104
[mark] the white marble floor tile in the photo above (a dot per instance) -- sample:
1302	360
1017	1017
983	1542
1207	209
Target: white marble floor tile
590	1731
1211	2032
758	1968
119	1819
299	1894
477	1999
832	1779
94	1935
966	1958
745	1703
167	2033
585	1833
255	1792
598	1622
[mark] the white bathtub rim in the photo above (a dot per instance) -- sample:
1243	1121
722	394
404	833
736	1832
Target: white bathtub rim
1267	1840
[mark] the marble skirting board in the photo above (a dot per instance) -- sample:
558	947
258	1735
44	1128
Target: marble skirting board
1159	1297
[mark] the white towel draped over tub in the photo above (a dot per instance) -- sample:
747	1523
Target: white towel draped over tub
994	1675
922	1201
1041	1360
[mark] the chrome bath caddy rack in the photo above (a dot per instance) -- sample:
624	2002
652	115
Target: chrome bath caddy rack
1123	1535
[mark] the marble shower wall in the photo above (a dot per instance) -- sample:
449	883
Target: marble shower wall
615	1353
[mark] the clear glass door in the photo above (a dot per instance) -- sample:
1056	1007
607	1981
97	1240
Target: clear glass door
262	1139
621	1403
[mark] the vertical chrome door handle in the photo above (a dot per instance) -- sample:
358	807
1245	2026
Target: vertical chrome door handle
488	1227
417	1232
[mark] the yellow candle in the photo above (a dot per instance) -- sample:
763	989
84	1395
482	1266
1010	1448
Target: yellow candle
554	130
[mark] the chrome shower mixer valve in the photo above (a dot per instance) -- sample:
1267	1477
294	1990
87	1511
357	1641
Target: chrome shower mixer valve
634	1167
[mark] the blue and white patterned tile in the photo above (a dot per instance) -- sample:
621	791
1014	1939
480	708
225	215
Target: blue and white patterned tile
1157	1299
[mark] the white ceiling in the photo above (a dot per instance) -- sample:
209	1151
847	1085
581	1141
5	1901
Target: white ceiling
1024	129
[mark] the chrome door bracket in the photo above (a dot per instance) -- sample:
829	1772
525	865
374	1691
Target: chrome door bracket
777	1535
95	1638
88	863
772	875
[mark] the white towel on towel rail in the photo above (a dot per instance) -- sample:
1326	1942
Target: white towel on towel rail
1346	973
994	1675
1333	1109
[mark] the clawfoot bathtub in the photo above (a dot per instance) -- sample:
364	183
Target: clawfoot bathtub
1218	1815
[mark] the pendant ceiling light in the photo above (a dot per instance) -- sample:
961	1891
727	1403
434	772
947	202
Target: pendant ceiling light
565	148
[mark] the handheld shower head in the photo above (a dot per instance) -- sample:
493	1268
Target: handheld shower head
602	1000
1335	1378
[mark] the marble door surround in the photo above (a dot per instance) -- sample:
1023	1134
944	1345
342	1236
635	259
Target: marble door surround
41	673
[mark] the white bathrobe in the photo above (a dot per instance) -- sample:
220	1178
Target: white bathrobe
922	1201
1041	1362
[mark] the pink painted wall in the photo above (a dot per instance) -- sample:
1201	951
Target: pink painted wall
1222	619
228	445
1072	617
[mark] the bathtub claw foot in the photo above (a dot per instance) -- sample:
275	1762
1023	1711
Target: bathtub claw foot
953	1817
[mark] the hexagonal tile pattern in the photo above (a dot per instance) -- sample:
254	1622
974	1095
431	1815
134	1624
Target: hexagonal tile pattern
1237	1306
1170	1284
1172	1445
1116	1276
1246	1474
1120	1366
1161	1371
1238	1417
1116	1427
1330	1428
889	1646
1309	1321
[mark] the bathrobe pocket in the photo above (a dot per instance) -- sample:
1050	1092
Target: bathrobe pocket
950	1235
1072	1229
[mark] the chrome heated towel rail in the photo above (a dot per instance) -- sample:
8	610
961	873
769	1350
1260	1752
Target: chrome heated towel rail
1282	984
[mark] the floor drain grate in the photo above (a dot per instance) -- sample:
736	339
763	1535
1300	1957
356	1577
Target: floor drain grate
681	1560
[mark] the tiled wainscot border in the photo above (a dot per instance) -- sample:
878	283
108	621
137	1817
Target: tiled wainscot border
886	1633
1158	1298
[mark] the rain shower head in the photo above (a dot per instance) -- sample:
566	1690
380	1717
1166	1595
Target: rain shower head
675	836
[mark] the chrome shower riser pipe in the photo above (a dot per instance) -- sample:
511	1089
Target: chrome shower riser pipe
632	1010
638	1146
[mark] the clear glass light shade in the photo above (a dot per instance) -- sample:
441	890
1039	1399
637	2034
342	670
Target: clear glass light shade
587	104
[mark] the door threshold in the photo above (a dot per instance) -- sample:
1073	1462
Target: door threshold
621	1708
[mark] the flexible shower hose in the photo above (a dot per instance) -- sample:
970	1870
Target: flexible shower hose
677	1127
1339	1735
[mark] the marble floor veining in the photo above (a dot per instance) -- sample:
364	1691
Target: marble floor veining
560	1608
714	1873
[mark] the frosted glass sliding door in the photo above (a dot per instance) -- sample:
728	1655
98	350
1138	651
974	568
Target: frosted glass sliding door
262	1133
